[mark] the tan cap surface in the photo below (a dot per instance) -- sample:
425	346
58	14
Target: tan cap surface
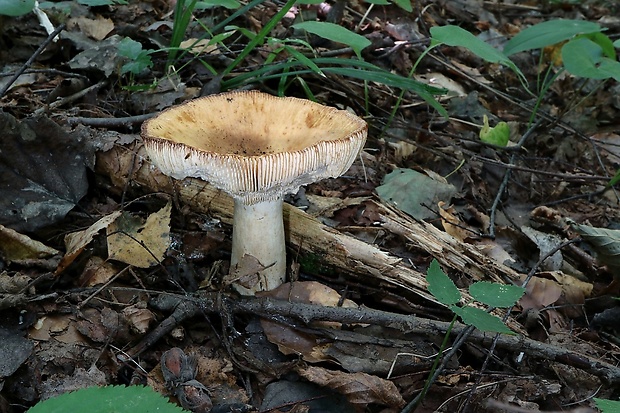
252	145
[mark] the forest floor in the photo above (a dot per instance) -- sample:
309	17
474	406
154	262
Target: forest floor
112	273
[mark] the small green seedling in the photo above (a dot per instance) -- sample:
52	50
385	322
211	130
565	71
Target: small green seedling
497	135
138	59
488	293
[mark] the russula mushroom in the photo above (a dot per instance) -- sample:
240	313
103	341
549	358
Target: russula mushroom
257	148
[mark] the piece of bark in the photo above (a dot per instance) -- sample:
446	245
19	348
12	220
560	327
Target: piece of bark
449	251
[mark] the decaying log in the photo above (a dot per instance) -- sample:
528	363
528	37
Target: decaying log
127	167
450	252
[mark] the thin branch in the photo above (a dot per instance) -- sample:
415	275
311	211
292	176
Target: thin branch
37	52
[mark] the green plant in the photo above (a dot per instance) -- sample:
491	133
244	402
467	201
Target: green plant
296	63
585	50
607	406
183	11
497	135
490	294
138	59
108	399
16	7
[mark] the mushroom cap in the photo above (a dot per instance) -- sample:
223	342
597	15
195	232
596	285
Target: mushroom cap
254	146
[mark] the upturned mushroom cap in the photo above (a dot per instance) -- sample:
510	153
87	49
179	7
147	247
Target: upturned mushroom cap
252	145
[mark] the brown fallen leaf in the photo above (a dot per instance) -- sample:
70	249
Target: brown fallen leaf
245	272
539	293
360	389
138	243
289	340
16	247
139	317
75	242
451	223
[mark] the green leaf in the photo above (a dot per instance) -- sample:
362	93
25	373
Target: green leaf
354	68
109	399
335	33
496	295
607	406
139	64
404	4
548	33
604	41
16	7
209	4
582	57
617	43
139	59
441	286
129	48
497	135
220	37
615	179
480	319
458	37
304	60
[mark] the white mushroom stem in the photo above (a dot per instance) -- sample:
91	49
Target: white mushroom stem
258	230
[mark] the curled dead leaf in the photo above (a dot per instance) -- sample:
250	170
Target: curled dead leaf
360	389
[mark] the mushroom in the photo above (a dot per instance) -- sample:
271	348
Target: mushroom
257	148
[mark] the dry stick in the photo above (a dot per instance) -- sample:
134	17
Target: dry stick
50	72
412	324
71	98
31	59
110	122
184	310
476	156
190	306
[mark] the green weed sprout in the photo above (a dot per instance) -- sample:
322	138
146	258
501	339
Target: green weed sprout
497	135
138	59
108	399
444	290
491	294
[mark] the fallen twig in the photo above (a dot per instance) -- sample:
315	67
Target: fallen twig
32	58
110	122
308	313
